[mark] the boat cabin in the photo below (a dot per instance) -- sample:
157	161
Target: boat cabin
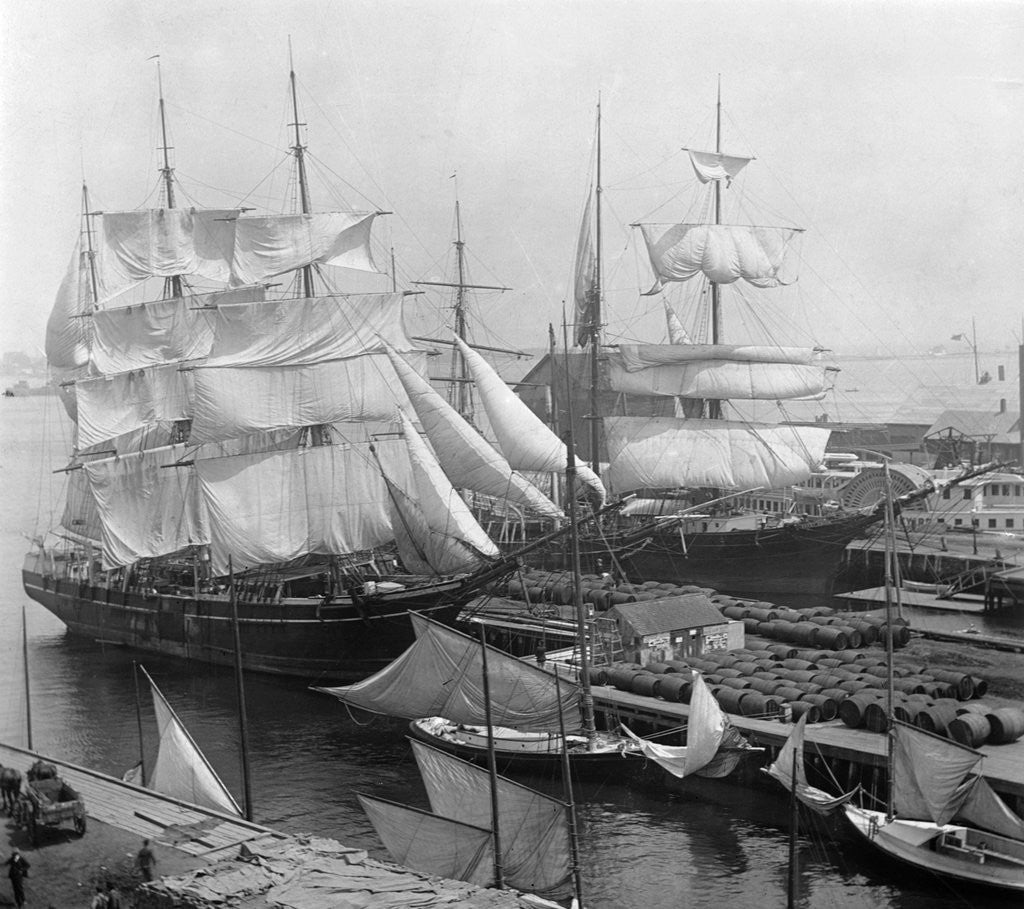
674	628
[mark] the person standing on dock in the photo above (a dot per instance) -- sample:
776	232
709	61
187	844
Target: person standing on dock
17	872
146	861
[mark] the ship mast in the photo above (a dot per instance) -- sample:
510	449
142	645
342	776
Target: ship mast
595	323
300	162
460	395
714	406
172	285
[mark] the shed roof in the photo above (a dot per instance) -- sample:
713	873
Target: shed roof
691	610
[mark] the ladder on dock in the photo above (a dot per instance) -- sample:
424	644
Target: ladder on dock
972	578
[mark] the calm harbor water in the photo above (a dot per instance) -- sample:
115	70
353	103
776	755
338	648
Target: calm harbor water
719	844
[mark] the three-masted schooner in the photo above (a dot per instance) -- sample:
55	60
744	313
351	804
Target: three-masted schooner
239	446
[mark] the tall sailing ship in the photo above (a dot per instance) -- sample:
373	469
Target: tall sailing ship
699	451
243	470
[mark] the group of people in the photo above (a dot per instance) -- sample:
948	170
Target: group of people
107	895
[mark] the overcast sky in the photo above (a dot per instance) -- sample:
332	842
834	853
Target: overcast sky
891	131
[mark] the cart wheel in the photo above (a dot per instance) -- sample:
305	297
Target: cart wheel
80	825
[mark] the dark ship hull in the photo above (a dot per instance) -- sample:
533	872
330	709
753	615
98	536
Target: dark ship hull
795	561
316	638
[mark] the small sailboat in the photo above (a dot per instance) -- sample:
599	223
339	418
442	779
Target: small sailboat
788	768
181	769
714	747
458	838
940	815
437	685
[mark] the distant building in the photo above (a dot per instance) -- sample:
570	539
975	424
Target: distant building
673	628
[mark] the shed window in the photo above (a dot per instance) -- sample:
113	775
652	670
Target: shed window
992	523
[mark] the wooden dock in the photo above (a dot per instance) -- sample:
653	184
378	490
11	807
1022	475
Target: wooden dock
197	831
837	743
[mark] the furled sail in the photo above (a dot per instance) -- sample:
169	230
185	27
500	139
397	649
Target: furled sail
715	166
585	286
432	844
790	760
704	732
522	436
465	456
441	674
533	828
929	774
146	507
667	453
718	372
300	363
265	246
435	531
181	769
279	505
723	253
160	332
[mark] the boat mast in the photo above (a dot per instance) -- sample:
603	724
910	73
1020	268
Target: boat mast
172	285
243	725
492	768
138	723
24	661
890	686
300	162
586	696
715	406
90	252
595	322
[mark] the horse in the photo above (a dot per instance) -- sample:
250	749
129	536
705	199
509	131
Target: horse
10	787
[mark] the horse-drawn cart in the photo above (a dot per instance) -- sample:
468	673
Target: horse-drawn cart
48	801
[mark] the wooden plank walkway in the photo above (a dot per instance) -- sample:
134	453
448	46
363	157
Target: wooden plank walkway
197	831
1003	766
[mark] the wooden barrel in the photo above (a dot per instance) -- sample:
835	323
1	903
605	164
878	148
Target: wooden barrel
837	694
832	637
851	710
970	729
876	718
782	651
765	686
740	684
802	708
733	612
788	693
659	668
961	680
729	699
1007	725
621	678
827	707
868	632
645	683
799	676
675	687
935	718
756	704
679	665
853	686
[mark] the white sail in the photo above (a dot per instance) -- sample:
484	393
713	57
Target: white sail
715	166
676	333
146	507
131	246
585	276
181	771
788	769
300	363
723	253
110	406
432	844
522	436
533	828
666	453
717	372
441	674
68	332
81	517
436	532
265	246
230	402
704	731
276	506
160	332
465	456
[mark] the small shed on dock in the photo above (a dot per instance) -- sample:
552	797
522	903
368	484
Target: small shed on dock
673	628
